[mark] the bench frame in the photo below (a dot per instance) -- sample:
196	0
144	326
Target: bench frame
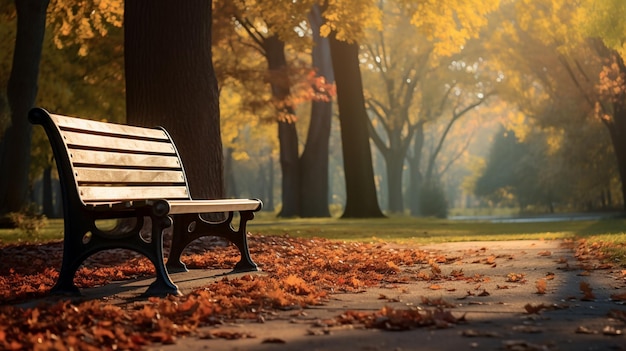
116	171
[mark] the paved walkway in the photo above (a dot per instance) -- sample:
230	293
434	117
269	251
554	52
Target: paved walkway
493	307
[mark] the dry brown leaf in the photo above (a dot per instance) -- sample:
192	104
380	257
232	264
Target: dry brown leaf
541	286
515	277
484	293
619	297
273	341
530	309
587	291
584	330
611	330
618	314
472	333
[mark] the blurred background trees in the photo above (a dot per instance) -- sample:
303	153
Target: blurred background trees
441	108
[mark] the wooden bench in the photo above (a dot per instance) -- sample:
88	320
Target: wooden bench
115	171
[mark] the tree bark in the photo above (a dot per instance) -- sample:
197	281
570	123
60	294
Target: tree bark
361	200
21	93
314	159
287	133
395	167
617	130
416	178
170	82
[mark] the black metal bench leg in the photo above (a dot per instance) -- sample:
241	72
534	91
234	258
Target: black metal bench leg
73	256
240	240
188	228
180	240
163	284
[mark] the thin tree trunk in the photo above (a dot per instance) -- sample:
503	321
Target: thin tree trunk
395	165
361	200
269	204
21	93
314	159
416	178
287	134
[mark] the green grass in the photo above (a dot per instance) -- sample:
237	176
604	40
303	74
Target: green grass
406	230
429	230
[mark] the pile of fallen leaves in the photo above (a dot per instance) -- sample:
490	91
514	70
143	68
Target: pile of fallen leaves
299	273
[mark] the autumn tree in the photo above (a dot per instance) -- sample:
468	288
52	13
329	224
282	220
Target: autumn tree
21	95
393	77
562	70
170	82
344	25
278	33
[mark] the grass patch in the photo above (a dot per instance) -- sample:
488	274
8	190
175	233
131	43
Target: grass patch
408	230
431	230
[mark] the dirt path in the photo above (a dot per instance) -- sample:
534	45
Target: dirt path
499	288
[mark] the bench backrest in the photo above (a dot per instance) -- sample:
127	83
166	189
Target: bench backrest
110	162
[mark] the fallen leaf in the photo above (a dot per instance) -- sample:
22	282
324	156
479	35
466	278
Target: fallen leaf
541	286
584	330
611	330
619	297
618	314
528	329
530	309
472	333
587	292
273	341
515	277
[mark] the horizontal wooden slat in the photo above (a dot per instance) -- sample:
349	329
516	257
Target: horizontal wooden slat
105	158
206	206
126	193
115	143
109	128
107	175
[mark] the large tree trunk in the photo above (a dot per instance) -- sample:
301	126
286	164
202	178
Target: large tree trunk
361	200
170	82
21	94
287	134
314	159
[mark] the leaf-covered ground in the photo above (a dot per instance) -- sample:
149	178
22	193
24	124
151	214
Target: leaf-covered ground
298	273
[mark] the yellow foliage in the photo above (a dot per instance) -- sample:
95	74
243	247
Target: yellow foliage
450	24
349	18
76	24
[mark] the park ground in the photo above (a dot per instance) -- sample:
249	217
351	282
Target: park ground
321	294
